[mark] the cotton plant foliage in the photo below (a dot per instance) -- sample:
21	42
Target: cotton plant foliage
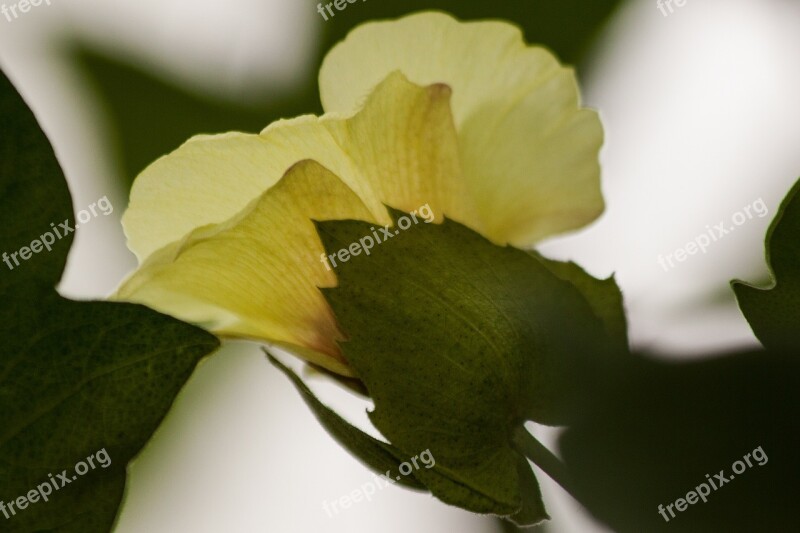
457	332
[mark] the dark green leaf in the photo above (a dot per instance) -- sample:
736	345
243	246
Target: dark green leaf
33	195
532	510
774	312
385	459
653	430
75	378
459	341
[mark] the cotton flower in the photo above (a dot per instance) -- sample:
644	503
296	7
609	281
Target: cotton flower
426	110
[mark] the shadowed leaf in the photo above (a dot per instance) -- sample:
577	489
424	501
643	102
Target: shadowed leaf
75	377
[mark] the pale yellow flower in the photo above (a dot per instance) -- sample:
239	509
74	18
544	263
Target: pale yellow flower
464	117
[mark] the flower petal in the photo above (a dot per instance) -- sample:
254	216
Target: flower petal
212	178
529	153
257	274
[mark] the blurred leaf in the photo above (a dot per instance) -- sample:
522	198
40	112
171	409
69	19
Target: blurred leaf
652	431
75	378
774	312
147	117
458	351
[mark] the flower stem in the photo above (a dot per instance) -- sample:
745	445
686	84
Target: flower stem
544	459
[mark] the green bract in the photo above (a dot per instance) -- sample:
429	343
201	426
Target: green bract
459	342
